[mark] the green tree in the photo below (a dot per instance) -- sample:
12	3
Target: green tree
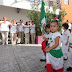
34	15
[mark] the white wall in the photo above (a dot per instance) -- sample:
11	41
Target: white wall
1	2
11	13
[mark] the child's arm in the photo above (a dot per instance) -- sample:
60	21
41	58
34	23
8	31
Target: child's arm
67	41
54	46
69	48
45	38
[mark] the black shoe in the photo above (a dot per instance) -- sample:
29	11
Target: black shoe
45	66
65	59
69	69
42	60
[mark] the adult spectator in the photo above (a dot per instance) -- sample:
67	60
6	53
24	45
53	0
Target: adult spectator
20	32
32	31
26	31
5	30
13	32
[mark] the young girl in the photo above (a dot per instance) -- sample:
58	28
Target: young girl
65	39
54	55
45	40
70	52
13	32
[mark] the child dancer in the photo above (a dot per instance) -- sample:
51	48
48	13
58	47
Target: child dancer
44	43
65	39
54	55
70	52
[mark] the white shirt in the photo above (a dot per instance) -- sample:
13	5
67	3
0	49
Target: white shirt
65	35
32	28
26	30
13	29
5	26
47	35
70	38
0	26
69	25
20	28
52	39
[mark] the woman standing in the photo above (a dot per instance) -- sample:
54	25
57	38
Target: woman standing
26	31
13	32
32	31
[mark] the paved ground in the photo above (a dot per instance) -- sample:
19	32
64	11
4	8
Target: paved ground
22	58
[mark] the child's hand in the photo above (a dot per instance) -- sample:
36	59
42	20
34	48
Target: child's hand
66	43
68	49
47	50
44	37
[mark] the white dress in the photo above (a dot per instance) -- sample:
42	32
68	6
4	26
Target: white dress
55	56
70	50
64	40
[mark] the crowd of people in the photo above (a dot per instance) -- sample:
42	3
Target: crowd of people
56	47
17	29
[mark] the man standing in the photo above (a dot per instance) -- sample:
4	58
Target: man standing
5	30
20	32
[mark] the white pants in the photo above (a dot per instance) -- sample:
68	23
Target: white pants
5	37
13	38
20	37
43	57
65	49
33	38
70	57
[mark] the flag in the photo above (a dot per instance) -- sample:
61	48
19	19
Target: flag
43	17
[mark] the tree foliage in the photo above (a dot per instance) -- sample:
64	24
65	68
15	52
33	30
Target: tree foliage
34	15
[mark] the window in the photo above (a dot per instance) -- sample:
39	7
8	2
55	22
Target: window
66	2
38	1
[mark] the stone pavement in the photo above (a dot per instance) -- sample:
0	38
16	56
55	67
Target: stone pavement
22	58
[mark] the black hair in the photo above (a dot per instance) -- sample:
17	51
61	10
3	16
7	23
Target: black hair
26	23
47	26
65	25
55	21
67	20
21	20
32	21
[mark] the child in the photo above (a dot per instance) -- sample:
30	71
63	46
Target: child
45	41
65	38
13	32
54	55
70	52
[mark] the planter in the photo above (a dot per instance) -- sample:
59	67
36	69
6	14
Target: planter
38	39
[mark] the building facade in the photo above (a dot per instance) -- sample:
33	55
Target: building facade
17	9
67	5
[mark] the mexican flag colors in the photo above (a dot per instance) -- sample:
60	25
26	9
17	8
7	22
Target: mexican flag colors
43	17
